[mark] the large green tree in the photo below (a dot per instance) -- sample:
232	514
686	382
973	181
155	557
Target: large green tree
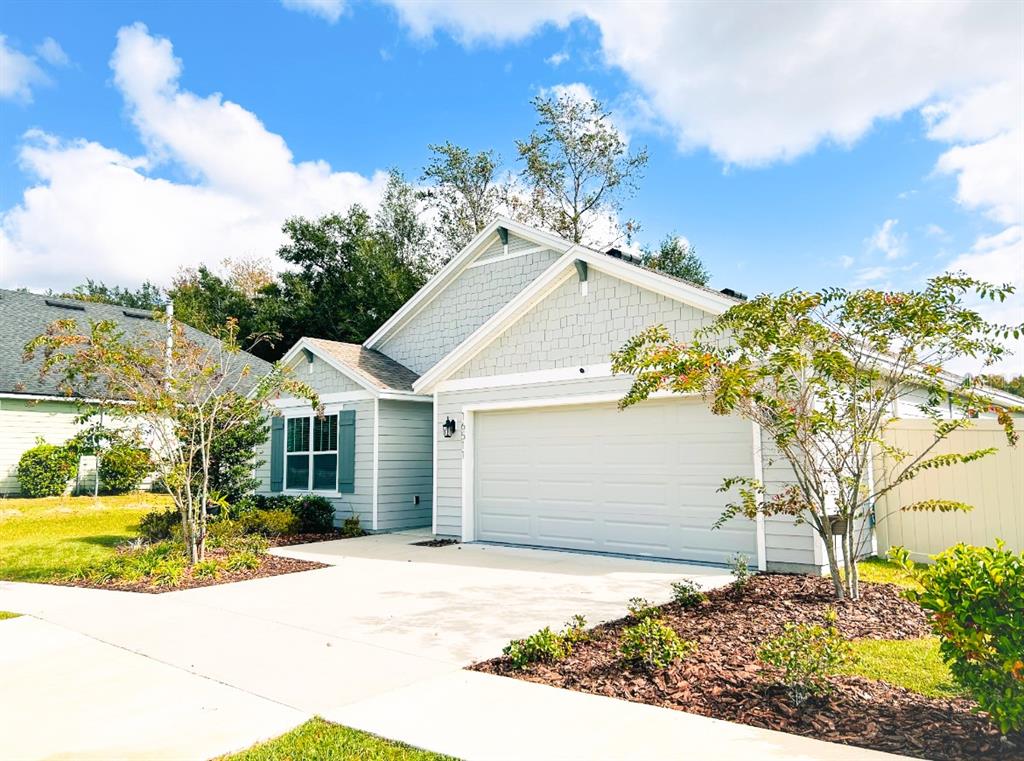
577	166
464	192
678	258
822	375
147	296
350	271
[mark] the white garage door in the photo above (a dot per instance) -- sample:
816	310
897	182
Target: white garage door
642	481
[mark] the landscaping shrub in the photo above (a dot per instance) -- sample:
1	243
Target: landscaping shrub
46	469
576	630
641	608
351	527
219	533
245	560
975	596
159	525
123	467
740	569
269	522
688	593
544	646
315	514
652	645
807	654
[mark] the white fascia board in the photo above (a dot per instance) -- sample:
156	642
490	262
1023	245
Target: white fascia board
341	367
405	396
458	263
58	398
325	399
553	277
588	372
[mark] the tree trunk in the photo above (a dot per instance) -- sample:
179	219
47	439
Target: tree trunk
833	565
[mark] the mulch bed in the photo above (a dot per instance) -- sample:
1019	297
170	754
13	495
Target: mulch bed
325	536
725	680
272	565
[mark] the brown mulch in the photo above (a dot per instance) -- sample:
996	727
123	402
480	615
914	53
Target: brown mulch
271	565
436	543
323	536
725	680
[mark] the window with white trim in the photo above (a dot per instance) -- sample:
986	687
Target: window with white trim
311	458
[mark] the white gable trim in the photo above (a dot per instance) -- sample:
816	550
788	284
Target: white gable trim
455	267
539	289
341	367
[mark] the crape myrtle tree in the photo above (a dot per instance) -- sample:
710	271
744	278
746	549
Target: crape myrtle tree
822	374
184	397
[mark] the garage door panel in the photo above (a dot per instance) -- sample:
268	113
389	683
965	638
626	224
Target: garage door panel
643	481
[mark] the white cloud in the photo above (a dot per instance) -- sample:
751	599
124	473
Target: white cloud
329	10
97	212
19	73
51	52
846	262
935	231
766	81
887	241
556	59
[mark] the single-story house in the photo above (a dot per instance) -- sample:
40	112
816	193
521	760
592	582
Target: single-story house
34	407
485	409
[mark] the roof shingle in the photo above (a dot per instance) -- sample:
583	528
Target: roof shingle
378	369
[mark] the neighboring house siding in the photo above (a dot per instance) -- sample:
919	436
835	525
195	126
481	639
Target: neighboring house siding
569	329
21	423
461	308
405	465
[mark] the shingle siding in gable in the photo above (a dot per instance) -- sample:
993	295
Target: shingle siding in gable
569	329
461	308
322	377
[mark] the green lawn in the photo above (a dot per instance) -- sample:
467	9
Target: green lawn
884	572
5	614
319	740
912	663
43	538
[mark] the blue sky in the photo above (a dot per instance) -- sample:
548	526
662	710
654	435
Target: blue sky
788	157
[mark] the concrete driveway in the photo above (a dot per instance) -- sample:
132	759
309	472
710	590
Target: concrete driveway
377	640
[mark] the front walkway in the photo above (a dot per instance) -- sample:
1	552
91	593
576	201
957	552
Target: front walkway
376	641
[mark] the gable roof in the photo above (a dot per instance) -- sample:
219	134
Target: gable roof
371	369
561	270
448	274
24	315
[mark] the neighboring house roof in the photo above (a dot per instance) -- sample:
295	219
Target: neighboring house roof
23	316
367	367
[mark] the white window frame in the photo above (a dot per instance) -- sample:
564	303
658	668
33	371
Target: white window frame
291	414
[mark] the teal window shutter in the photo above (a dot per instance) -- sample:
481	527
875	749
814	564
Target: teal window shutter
276	453
347	451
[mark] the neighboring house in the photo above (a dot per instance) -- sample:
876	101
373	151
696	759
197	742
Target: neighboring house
33	407
486	409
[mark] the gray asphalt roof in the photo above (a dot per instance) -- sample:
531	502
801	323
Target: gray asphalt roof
379	369
23	316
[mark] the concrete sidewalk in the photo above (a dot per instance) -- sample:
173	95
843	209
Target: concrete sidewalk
377	640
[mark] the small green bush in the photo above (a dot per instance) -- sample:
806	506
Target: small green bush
975	597
206	569
351	527
46	469
544	646
243	561
688	593
651	645
159	525
641	608
170	571
576	630
269	522
740	569
123	467
807	655
219	533
315	514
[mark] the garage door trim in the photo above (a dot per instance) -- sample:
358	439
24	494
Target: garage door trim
469	452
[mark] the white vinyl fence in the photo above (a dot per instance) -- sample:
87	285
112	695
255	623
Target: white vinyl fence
994	485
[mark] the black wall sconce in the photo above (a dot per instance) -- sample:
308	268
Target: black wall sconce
448	427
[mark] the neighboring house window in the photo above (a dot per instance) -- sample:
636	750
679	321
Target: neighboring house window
312	453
